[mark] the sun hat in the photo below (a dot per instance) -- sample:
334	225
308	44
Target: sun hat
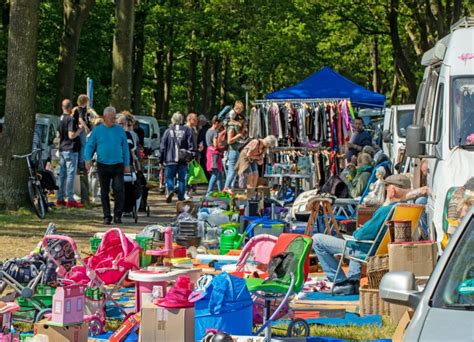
399	181
177	296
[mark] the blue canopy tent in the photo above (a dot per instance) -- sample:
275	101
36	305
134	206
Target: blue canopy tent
328	84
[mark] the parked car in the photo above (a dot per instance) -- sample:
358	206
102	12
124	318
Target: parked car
47	126
444	310
397	119
443	128
151	128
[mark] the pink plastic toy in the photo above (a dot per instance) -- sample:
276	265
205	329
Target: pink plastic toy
6	310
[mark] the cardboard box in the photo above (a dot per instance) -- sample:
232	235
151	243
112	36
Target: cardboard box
71	333
416	257
166	325
402	326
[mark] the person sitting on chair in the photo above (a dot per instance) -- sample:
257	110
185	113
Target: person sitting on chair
326	246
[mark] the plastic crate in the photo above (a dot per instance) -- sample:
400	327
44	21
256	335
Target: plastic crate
94	243
145	243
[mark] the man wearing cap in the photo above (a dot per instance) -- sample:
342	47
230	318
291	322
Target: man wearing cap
326	246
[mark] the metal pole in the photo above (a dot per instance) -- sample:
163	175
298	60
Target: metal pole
246	103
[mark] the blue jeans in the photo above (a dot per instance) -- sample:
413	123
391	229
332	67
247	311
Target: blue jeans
325	246
170	174
67	172
424	217
232	158
80	159
216	178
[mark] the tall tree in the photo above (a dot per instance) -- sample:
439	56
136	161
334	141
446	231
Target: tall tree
20	101
122	54
75	13
138	55
401	61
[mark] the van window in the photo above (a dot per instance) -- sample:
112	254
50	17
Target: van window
52	135
42	130
455	289
439	114
146	129
462	112
404	119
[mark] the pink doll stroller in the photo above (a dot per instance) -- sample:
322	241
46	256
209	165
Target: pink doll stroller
115	256
258	249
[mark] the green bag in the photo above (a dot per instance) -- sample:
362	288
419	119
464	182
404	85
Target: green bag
196	174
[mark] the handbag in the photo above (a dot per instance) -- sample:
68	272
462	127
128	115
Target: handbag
184	156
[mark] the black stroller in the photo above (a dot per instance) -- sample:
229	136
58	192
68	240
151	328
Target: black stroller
133	195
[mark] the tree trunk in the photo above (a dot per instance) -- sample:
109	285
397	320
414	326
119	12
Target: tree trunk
394	92
122	55
168	82
20	101
138	56
374	57
214	77
191	91
205	84
400	59
158	94
223	81
457	6
74	16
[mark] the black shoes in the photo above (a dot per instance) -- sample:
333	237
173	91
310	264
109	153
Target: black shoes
345	288
108	220
169	197
117	220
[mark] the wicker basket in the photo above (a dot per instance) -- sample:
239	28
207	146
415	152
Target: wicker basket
377	266
371	304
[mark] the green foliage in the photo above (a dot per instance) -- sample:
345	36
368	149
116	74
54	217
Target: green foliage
267	44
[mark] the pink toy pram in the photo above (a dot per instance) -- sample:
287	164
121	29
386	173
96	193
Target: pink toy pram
115	256
259	249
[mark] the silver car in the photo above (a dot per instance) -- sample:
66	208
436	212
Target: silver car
445	308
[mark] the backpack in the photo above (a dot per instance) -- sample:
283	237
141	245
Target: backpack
222	144
336	187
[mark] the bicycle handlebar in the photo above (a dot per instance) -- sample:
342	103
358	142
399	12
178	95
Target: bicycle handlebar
16	156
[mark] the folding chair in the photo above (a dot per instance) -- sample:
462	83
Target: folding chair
378	246
346	208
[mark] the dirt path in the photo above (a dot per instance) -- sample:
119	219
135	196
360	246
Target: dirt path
21	231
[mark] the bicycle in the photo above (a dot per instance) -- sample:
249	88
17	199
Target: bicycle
37	194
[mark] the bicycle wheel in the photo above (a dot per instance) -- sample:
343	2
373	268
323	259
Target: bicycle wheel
298	328
34	191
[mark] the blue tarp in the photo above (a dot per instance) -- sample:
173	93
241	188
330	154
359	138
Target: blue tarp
328	84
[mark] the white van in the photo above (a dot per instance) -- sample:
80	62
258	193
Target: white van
396	120
47	125
443	130
150	126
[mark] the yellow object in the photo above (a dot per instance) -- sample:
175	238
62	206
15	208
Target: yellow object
405	212
444	242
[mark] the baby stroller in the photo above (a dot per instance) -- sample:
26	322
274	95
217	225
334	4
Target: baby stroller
133	195
115	256
33	277
144	207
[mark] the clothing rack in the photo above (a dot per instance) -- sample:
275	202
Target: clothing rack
299	100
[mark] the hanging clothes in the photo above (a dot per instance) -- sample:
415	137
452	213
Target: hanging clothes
274	114
255	129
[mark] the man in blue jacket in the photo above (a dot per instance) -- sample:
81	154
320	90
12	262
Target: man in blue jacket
109	141
326	246
177	137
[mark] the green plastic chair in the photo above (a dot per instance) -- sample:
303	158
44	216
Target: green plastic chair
300	245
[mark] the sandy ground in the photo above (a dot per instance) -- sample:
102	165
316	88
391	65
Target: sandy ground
21	231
